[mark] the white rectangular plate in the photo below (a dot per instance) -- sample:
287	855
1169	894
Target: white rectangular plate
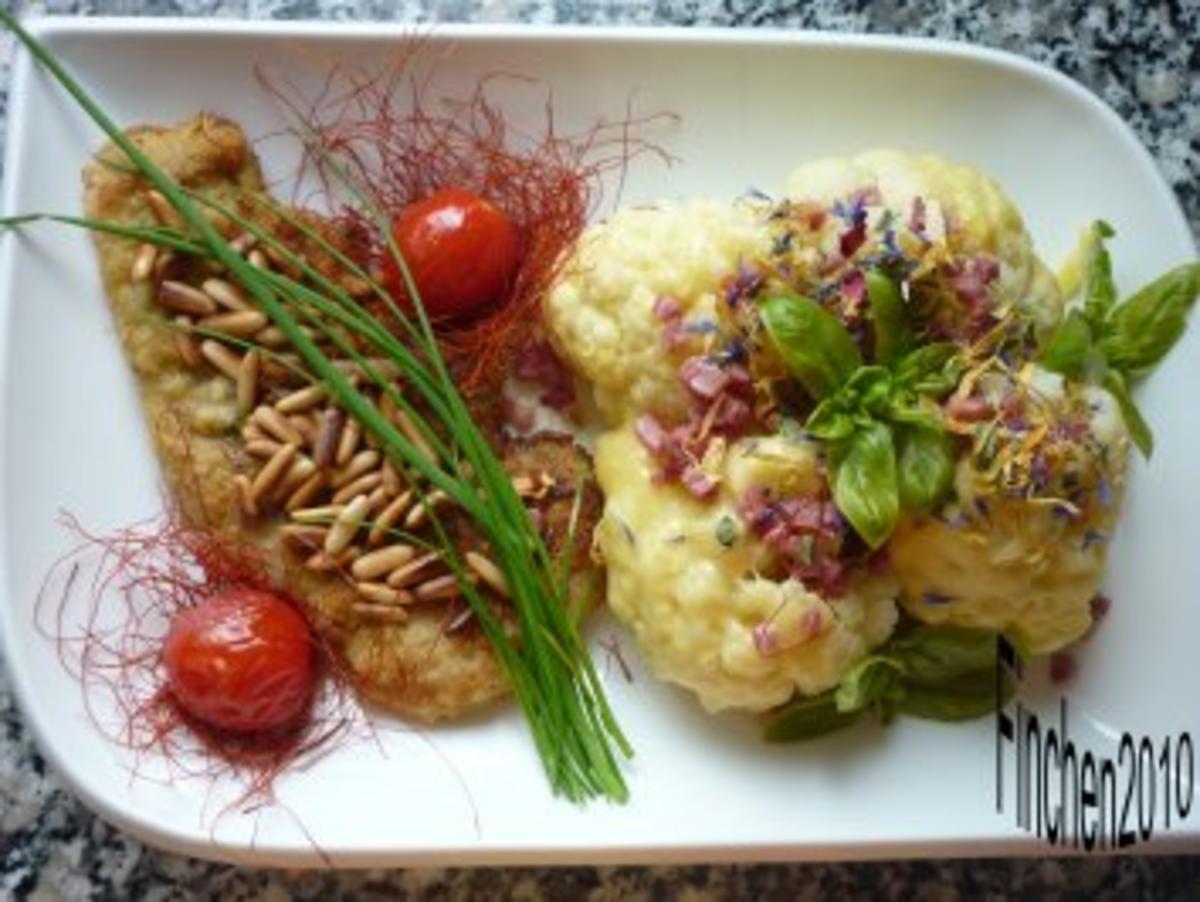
750	106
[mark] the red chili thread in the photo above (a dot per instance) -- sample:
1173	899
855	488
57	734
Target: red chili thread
108	627
391	136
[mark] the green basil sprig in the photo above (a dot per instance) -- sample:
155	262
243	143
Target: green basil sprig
814	344
889	318
887	447
1114	345
866	486
945	673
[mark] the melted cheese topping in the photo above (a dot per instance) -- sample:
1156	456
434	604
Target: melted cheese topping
694	604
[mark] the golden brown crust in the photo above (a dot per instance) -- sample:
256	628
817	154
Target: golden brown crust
414	668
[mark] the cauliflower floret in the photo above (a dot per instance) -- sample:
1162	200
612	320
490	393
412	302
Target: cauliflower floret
685	577
600	312
963	208
1022	546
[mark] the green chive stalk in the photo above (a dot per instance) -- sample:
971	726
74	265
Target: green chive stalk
549	668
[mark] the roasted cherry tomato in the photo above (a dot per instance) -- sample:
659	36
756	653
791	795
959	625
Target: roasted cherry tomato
462	251
242	661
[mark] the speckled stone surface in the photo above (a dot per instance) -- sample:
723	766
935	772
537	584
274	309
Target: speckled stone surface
1142	58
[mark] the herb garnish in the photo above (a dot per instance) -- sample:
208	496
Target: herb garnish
945	673
886	442
1114	345
726	531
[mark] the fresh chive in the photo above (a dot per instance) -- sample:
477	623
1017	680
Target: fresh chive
551	673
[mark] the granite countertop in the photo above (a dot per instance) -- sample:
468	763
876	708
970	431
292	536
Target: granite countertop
1142	58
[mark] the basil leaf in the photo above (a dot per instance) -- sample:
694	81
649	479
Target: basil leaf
830	420
1145	327
925	468
1099	290
813	343
867	379
889	318
806	718
931	369
865	485
914	412
1070	348
1139	429
870	387
970	700
939	655
874	679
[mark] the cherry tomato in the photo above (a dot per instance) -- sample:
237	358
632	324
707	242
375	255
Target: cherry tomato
462	251
242	661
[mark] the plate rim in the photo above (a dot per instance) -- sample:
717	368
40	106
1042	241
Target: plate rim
166	835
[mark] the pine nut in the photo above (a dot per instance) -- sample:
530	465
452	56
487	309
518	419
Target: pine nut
243	243
183	298
274	423
324	514
251	432
325	447
247	383
238	324
143	263
364	485
381	594
304	426
378	498
362	462
351	435
411	572
270	475
262	448
226	294
420	513
165	258
391	479
162	209
305	493
272	337
303	400
341	534
410	431
441	587
375	564
459	620
488	572
301	470
388	518
229	363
